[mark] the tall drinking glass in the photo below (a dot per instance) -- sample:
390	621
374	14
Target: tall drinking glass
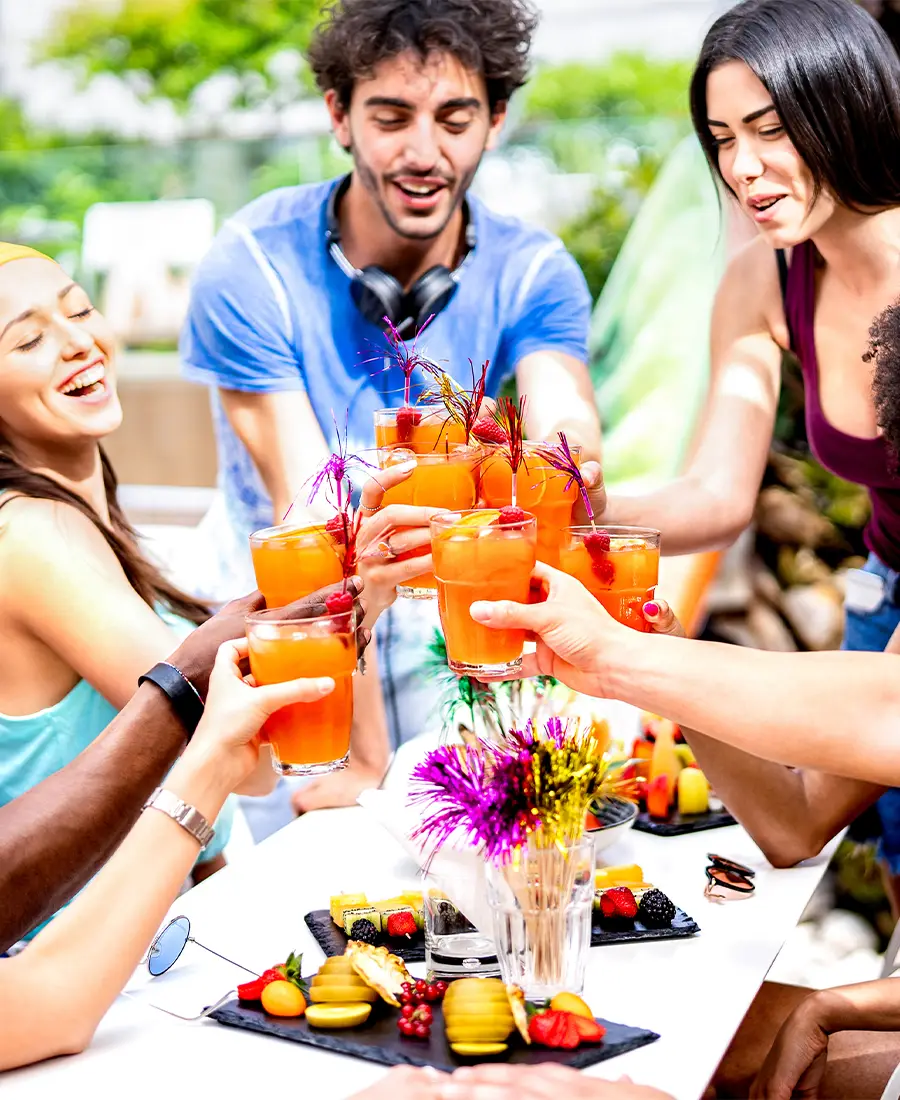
443	478
540	489
476	557
420	428
306	738
619	566
291	561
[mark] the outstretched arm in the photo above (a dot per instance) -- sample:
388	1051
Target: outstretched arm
831	712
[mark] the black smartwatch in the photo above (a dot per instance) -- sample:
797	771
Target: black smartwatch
183	696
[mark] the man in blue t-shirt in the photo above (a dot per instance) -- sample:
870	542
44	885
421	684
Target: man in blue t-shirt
286	315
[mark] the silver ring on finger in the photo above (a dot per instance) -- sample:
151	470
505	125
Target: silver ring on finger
387	551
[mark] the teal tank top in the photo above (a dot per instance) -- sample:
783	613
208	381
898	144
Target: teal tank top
34	746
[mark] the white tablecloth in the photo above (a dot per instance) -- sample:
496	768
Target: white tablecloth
693	992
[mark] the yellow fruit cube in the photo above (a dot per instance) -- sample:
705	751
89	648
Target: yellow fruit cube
607	877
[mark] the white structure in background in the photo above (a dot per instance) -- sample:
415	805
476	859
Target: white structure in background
143	256
585	30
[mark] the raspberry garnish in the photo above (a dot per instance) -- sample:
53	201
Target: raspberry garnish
597	542
338	603
487	430
511	514
407	419
336	528
604	570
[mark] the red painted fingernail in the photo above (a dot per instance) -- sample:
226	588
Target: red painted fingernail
651	609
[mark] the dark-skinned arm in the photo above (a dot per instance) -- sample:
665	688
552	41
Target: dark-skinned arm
791	814
55	837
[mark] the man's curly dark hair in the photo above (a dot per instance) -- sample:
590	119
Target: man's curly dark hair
884	351
491	37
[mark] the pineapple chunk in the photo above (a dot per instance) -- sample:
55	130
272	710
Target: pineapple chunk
340	902
607	877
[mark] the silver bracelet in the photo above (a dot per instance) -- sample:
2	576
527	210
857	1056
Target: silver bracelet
189	818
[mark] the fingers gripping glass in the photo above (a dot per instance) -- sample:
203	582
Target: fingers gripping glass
166	950
727	880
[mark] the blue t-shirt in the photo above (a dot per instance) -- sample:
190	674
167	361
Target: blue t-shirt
272	311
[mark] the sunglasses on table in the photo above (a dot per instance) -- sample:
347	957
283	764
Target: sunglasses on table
727	880
166	949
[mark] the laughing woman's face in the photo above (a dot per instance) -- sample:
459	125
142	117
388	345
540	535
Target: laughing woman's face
57	379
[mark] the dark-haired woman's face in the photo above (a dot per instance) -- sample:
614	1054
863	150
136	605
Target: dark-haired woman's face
57	381
758	160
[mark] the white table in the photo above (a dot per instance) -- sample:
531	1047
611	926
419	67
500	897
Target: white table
693	992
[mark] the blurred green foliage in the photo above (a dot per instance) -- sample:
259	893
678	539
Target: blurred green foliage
175	45
628	85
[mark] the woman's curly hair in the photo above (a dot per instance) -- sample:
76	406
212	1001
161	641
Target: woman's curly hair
884	351
491	37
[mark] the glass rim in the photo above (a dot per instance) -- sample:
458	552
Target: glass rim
449	518
267	532
442	451
616	530
429	406
273	616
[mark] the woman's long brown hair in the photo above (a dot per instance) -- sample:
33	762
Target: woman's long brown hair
144	577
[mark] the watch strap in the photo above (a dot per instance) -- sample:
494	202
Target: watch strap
183	696
187	816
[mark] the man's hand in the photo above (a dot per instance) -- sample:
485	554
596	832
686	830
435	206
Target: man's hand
795	1065
542	1082
593	480
196	655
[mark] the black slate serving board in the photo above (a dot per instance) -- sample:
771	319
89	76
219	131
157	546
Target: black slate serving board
334	942
378	1040
604	933
677	824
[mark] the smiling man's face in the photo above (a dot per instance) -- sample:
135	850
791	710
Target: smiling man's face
417	131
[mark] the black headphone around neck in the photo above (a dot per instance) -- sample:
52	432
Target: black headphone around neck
378	294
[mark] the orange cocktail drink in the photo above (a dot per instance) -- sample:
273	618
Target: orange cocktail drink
540	489
619	566
419	427
291	561
477	557
306	738
443	478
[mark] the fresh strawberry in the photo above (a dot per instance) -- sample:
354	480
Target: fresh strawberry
589	1031
407	419
252	991
597	542
623	901
554	1029
401	924
275	974
539	1027
511	514
487	430
337	528
338	603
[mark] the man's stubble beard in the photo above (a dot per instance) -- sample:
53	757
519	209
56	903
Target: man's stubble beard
370	182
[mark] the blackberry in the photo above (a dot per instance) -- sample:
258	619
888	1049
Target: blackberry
364	931
655	910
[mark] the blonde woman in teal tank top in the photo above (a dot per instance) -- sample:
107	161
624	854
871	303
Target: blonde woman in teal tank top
82	612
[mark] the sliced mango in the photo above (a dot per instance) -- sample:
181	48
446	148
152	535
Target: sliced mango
618	876
338	1015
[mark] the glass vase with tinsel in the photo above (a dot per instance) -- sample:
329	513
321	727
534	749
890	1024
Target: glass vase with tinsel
522	804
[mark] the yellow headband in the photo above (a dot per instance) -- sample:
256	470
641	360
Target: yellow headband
10	252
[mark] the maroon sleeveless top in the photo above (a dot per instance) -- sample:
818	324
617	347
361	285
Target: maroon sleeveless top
866	462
